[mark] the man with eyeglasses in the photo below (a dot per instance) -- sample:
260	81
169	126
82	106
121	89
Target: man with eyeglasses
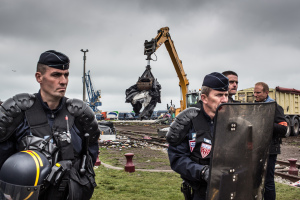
233	84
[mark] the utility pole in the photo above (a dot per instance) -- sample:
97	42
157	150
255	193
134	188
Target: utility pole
84	58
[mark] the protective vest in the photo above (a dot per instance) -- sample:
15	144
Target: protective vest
38	121
201	140
39	127
79	186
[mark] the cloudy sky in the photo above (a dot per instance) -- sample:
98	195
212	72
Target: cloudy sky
260	40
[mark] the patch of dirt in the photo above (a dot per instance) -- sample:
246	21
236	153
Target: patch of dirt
144	158
148	157
142	127
290	148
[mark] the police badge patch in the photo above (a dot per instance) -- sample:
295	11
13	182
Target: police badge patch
205	149
192	144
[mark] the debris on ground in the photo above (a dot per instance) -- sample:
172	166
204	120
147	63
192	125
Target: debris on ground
296	184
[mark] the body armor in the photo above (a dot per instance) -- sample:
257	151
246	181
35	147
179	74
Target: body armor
12	114
26	110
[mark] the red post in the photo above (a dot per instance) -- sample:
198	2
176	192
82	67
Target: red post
98	162
129	167
293	168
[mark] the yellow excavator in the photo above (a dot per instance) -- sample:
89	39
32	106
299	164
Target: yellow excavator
163	37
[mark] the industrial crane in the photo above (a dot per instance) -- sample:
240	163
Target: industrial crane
94	96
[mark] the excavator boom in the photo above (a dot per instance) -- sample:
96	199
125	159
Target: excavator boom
163	37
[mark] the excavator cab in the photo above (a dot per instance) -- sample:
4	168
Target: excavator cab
192	98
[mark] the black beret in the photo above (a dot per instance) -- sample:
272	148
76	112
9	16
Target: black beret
216	81
54	59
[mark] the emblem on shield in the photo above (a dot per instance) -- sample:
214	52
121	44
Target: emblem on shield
205	149
192	145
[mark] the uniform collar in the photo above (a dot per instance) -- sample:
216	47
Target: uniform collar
200	103
45	105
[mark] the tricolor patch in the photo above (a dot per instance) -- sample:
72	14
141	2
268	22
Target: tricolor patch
205	149
207	141
192	144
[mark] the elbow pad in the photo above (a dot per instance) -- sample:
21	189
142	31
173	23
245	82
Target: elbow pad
179	128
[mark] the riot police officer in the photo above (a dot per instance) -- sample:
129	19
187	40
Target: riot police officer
190	137
64	130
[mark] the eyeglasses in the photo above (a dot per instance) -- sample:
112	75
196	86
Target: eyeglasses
232	82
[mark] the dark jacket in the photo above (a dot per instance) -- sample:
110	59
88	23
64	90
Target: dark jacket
279	129
186	158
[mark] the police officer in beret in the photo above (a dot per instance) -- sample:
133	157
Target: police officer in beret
64	130
190	137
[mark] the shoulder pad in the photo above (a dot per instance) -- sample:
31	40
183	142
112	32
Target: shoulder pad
10	110
177	131
85	119
24	100
76	106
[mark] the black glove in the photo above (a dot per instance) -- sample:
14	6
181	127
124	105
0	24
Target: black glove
205	173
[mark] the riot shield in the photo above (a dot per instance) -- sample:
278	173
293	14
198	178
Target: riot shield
242	137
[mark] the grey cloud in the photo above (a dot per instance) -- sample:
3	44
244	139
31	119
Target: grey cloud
259	40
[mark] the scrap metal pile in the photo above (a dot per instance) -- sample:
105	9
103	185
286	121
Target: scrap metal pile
145	93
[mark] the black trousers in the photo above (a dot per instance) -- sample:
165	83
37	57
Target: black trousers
199	194
270	193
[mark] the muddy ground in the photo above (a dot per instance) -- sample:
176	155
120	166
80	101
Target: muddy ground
290	148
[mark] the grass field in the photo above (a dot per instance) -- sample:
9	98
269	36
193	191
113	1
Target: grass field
121	185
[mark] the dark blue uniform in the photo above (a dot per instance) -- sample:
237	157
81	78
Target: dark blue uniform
190	138
67	136
193	153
